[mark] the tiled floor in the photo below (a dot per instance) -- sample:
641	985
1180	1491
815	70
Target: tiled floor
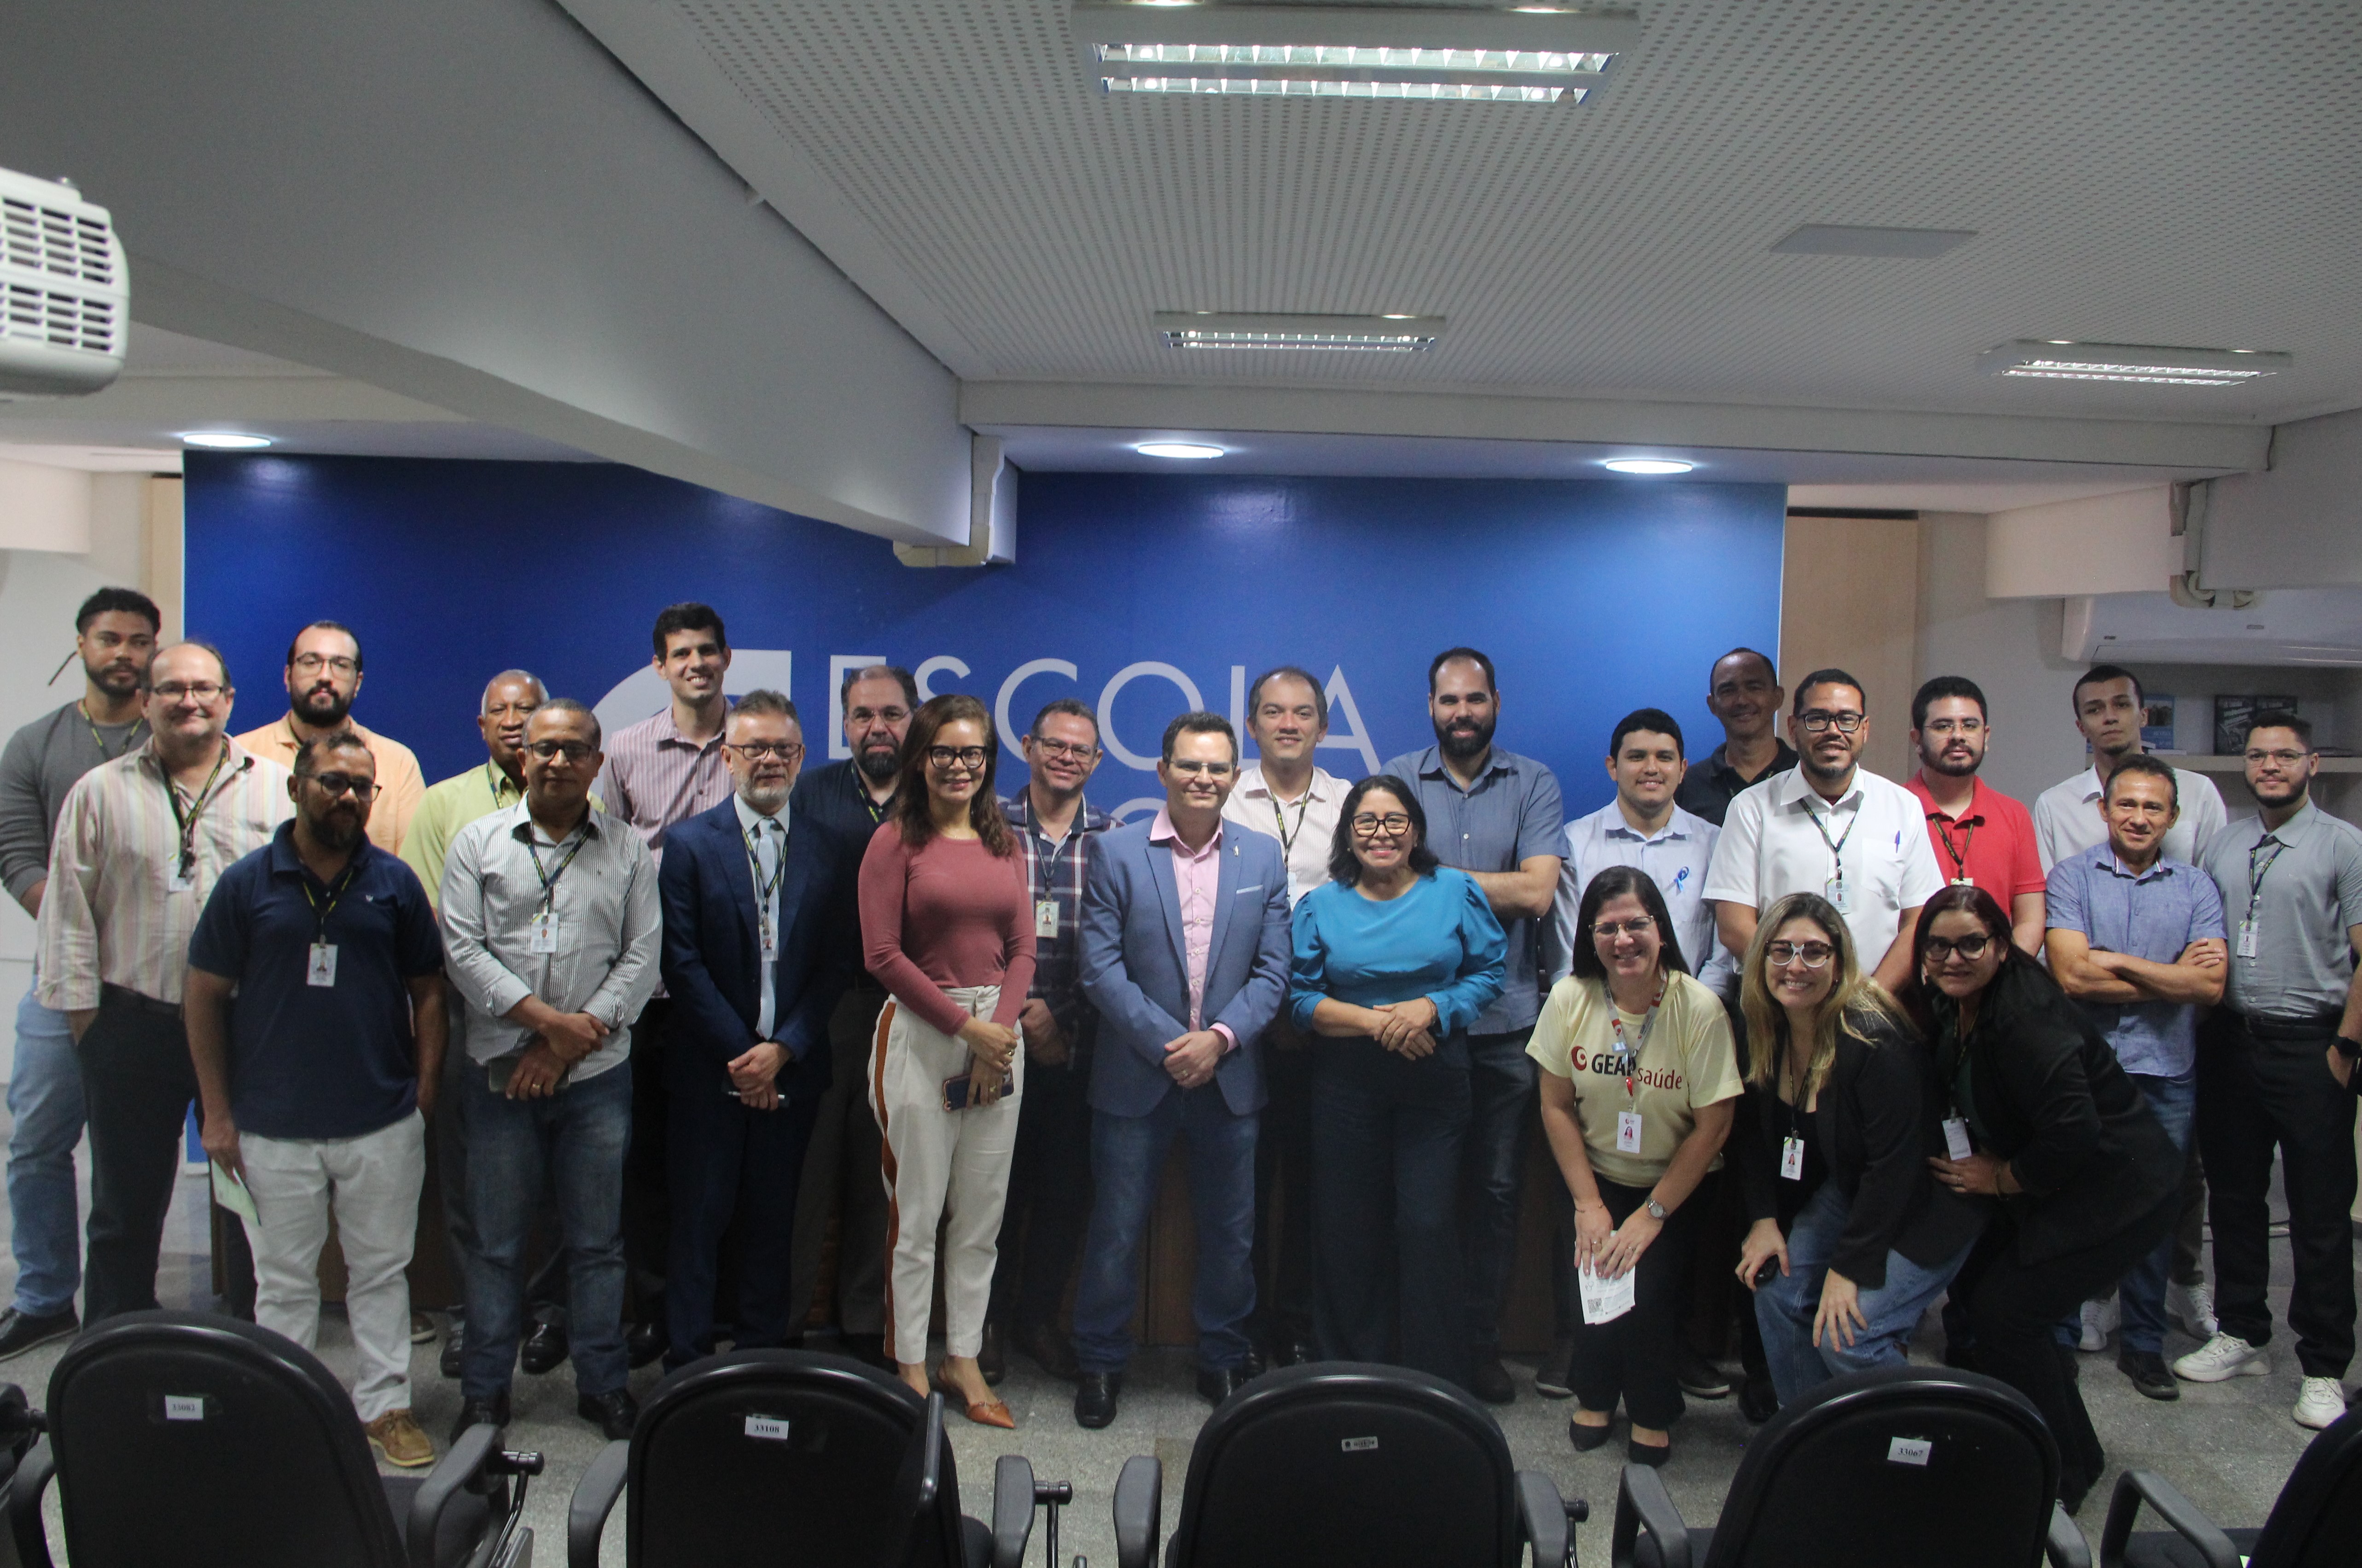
2229	1446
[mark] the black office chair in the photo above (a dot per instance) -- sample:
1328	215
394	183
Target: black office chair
1360	1466
1932	1467
180	1436
735	1454
20	1427
2315	1523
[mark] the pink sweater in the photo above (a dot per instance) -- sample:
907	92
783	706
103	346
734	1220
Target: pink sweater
952	913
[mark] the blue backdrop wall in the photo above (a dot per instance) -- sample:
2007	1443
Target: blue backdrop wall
1143	594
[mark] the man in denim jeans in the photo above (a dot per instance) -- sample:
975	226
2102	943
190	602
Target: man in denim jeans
551	931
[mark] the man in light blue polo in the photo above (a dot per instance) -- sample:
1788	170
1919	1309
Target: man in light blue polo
2137	938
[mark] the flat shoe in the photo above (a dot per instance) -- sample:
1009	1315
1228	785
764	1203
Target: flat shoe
984	1413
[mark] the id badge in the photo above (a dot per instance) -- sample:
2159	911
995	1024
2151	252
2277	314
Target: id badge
1045	917
1627	1132
320	968
545	933
2249	942
770	945
1964	881
1835	890
1956	1138
179	881
1792	1158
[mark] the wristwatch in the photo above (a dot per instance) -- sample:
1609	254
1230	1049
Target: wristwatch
2350	1049
1657	1211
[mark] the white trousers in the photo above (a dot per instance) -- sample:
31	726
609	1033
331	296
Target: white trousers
372	1184
936	1163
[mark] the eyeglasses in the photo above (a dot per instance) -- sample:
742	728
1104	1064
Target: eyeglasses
1081	751
1811	955
945	757
311	663
1193	770
1608	929
573	751
1369	825
335	784
755	751
888	716
194	690
1953	726
1815	721
2285	759
1940	948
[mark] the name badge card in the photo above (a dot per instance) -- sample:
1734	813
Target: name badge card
1045	917
1792	1158
545	933
2249	943
1956	1138
179	881
770	946
1835	890
320	970
1627	1132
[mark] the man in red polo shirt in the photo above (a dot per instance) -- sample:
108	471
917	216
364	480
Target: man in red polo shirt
1978	834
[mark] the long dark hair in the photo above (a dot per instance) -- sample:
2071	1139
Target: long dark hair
912	812
1345	866
1963	897
1614	883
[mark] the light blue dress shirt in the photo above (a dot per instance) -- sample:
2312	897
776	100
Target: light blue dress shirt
769	838
1675	859
2156	916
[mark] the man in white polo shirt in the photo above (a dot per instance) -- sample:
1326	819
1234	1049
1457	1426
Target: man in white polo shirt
1830	827
2067	816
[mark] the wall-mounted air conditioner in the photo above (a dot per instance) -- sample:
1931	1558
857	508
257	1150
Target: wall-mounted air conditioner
65	294
2282	627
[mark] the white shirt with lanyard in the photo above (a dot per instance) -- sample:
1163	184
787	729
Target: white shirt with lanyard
1627	1059
1834	889
182	878
767	863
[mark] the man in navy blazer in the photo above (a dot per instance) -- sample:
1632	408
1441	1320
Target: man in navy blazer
1184	956
753	977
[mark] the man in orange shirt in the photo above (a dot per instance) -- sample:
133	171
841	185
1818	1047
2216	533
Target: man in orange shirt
324	676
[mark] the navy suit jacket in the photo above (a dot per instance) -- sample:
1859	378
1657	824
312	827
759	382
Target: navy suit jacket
712	948
1135	968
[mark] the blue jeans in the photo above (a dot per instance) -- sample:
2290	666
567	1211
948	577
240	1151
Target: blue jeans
1785	1304
1127	1158
1493	1173
574	1141
45	1107
2141	1297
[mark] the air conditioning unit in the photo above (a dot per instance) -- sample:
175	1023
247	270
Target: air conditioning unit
2280	626
65	293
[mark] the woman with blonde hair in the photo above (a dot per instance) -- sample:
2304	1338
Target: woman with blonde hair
1834	1162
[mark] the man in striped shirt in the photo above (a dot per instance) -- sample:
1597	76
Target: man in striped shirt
138	846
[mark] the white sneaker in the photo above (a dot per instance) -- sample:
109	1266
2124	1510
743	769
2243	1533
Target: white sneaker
2192	1307
2098	1321
2321	1401
2223	1357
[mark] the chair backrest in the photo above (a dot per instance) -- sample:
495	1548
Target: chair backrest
1360	1466
183	1437
741	1457
1932	1467
2317	1522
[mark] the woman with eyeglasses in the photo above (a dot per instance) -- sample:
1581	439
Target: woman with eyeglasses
2087	1180
1394	958
1638	1089
947	928
1852	1238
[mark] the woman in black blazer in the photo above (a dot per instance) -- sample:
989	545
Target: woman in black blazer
2087	1180
1834	1162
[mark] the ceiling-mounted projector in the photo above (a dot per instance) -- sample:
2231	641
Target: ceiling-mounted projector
65	294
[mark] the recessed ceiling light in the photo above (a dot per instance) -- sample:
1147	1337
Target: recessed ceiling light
1320	334
1646	465
225	440
1194	451
1531	55
2063	360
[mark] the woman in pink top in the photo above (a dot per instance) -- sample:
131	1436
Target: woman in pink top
947	928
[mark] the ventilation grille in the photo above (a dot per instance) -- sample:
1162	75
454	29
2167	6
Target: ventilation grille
45	239
32	313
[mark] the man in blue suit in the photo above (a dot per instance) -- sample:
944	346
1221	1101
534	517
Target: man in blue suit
752	979
1184	956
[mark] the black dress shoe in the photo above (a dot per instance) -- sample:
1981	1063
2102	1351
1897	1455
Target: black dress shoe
20	1331
613	1414
1489	1380
1216	1384
455	1347
2150	1374
992	1356
1586	1438
1758	1400
1095	1398
492	1412
1640	1452
1293	1351
644	1343
1050	1349
544	1348
1256	1363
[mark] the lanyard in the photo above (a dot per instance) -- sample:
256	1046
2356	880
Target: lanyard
493	780
344	885
1287	839
550	879
2256	874
130	739
1944	830
1629	1054
764	890
1837	846
186	819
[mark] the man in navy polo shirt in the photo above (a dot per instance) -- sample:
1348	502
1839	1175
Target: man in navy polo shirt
315	1096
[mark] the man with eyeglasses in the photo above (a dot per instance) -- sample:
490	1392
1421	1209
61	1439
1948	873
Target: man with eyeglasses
324	676
1050	1169
1978	834
1830	827
746	892
140	842
551	932
115	636
1499	817
2071	816
2137	936
841	1183
1743	691
2270	1064
316	1085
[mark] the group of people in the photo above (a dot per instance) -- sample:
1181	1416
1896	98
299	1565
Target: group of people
688	1031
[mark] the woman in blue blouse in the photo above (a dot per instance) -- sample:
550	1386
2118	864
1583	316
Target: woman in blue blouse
1395	957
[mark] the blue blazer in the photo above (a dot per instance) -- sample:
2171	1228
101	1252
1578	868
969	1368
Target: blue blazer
712	948
1135	969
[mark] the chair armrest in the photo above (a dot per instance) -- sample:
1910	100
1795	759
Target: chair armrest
34	1472
2135	1488
1139	1512
1013	1510
594	1500
1548	1521
1642	1503
2065	1545
466	1461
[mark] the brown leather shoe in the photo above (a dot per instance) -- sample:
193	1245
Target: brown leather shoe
992	1355
398	1442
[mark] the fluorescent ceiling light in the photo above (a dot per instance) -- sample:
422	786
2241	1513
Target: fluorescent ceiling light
1855	239
1526	55
1194	451
225	440
1646	465
1318	334
2055	359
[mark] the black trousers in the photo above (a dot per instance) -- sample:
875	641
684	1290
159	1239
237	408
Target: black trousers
648	1211
1049	1196
2264	1084
1282	1230
734	1173
137	1081
1634	1356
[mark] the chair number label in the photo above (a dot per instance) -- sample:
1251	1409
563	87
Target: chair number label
770	1429
1909	1450
184	1407
1359	1445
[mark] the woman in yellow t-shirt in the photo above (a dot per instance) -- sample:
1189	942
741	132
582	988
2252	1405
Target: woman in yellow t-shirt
1638	1087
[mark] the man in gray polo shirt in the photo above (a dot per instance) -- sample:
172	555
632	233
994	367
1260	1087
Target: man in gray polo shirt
1498	817
2270	1064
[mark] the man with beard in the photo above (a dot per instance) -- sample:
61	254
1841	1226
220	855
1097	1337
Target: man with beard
114	635
1979	835
851	797
1498	817
315	1092
2071	816
746	891
1830	827
1743	691
324	676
